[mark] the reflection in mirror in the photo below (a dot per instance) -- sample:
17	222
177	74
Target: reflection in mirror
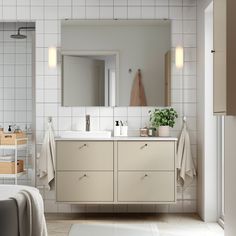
89	80
143	45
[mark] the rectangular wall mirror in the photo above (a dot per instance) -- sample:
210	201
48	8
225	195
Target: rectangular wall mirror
116	62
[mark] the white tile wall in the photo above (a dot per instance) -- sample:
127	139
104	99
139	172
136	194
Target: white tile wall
15	79
47	15
16	83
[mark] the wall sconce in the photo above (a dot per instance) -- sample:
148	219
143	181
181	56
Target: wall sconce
179	57
52	57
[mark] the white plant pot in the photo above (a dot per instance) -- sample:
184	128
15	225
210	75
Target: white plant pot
164	131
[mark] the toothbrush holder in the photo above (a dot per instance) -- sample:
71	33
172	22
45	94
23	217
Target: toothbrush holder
124	130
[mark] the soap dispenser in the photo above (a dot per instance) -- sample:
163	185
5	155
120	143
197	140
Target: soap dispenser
9	128
117	128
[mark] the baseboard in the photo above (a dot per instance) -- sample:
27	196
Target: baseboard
102	215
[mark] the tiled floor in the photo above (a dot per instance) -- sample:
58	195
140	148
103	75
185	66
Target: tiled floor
168	224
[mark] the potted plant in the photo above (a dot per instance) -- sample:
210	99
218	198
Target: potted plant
163	119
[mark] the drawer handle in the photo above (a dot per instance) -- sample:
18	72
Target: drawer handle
145	176
144	146
83	146
84	176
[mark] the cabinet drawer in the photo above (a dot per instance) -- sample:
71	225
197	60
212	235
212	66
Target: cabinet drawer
146	187
146	155
79	155
84	186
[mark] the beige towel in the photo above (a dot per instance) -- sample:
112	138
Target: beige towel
138	97
46	163
185	164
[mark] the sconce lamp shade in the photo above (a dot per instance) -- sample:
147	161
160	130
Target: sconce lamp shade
179	57
52	57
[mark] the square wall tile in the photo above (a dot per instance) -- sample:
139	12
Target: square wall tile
106	111
175	2
148	12
106	12
134	123
148	2
78	12
65	123
50	110
189	40
106	2
64	12
106	123
23	12
176	27
176	13
162	12
92	12
92	111
189	13
78	2
134	12
92	2
65	111
78	111
78	123
120	12
190	27
134	2
134	111
120	2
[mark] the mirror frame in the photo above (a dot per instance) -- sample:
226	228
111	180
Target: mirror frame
89	22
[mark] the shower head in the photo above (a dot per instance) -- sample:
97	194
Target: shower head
19	35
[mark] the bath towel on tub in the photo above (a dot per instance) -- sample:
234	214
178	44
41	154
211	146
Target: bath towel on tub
47	157
30	213
185	164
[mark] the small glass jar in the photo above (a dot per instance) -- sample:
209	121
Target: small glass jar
144	132
152	132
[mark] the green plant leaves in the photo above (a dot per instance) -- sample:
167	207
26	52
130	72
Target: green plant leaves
163	117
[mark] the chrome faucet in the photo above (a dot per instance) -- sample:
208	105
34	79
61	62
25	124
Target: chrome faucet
87	122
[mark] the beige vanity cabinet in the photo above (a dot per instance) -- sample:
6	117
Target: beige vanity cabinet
224	38
146	171
118	172
84	171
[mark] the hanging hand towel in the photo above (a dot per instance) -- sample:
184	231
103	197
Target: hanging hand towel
47	157
138	97
185	164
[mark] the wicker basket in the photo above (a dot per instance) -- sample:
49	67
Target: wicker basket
11	139
8	167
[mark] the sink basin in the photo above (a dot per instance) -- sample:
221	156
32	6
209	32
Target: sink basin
86	134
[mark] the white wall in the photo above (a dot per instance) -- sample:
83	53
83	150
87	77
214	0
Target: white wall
206	123
47	15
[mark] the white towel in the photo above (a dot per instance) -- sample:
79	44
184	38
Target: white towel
30	213
185	164
47	158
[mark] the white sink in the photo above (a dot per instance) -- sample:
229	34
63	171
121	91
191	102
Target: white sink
86	134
